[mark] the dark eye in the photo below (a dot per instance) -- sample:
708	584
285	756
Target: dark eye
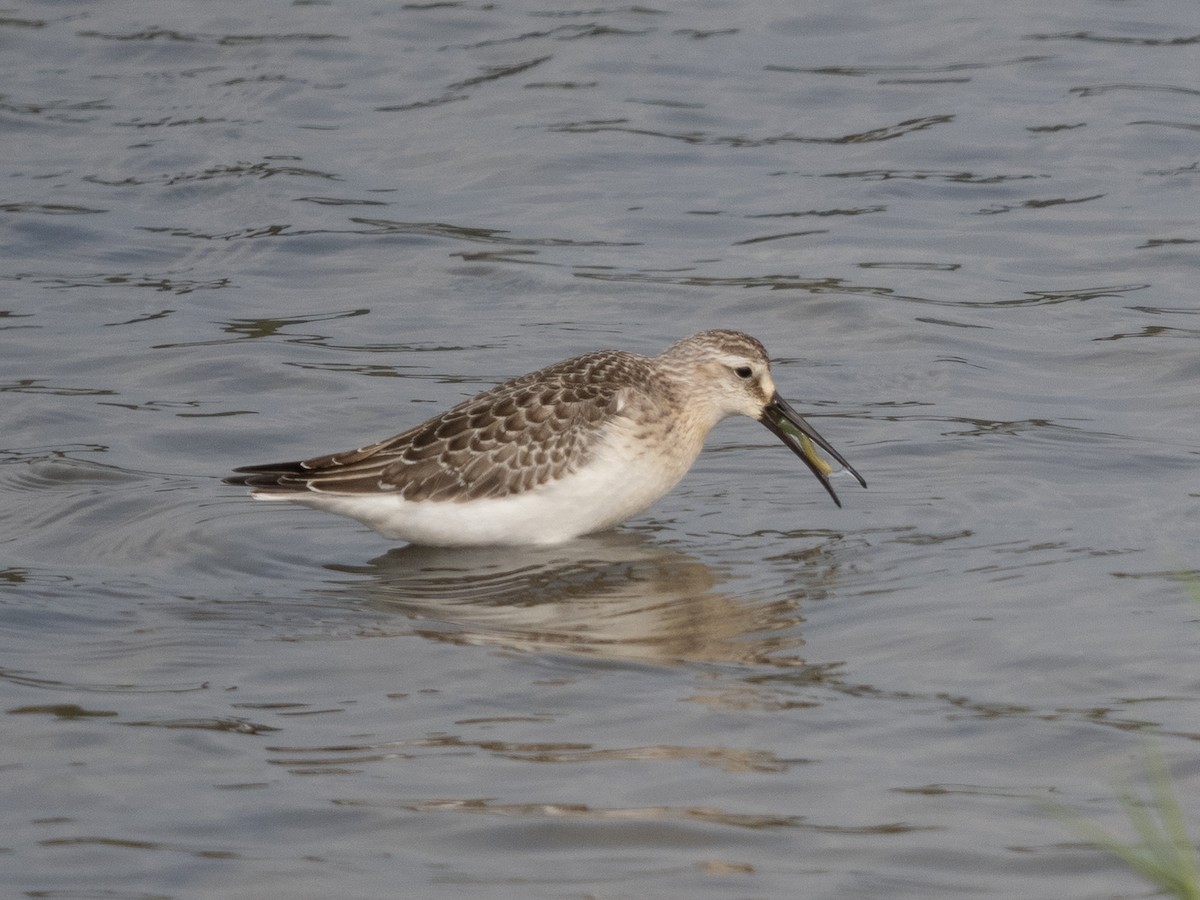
743	371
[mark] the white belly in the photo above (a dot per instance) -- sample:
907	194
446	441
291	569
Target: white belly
611	488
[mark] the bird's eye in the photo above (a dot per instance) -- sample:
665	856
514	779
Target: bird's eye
743	371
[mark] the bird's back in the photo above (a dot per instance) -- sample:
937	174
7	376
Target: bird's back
512	438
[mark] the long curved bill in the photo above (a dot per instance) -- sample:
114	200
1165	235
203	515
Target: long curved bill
789	426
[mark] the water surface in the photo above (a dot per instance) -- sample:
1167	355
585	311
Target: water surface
240	232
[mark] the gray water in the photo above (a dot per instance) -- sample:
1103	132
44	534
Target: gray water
236	232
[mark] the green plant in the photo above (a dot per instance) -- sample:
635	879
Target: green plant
1163	853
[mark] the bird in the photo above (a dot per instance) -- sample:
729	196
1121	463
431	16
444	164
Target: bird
574	448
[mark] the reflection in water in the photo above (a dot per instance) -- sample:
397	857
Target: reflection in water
565	813
582	812
615	595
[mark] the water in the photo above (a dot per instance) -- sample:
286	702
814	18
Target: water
235	233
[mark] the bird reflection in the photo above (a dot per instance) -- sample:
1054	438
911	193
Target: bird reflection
614	595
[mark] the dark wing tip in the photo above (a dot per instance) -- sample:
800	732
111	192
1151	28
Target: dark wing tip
271	475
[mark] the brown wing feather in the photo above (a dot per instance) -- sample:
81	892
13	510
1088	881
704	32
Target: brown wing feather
514	437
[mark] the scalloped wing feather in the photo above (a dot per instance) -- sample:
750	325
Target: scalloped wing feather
512	438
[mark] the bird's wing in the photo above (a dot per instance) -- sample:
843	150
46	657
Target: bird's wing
521	434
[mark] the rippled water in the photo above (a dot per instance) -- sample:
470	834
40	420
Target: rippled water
237	232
